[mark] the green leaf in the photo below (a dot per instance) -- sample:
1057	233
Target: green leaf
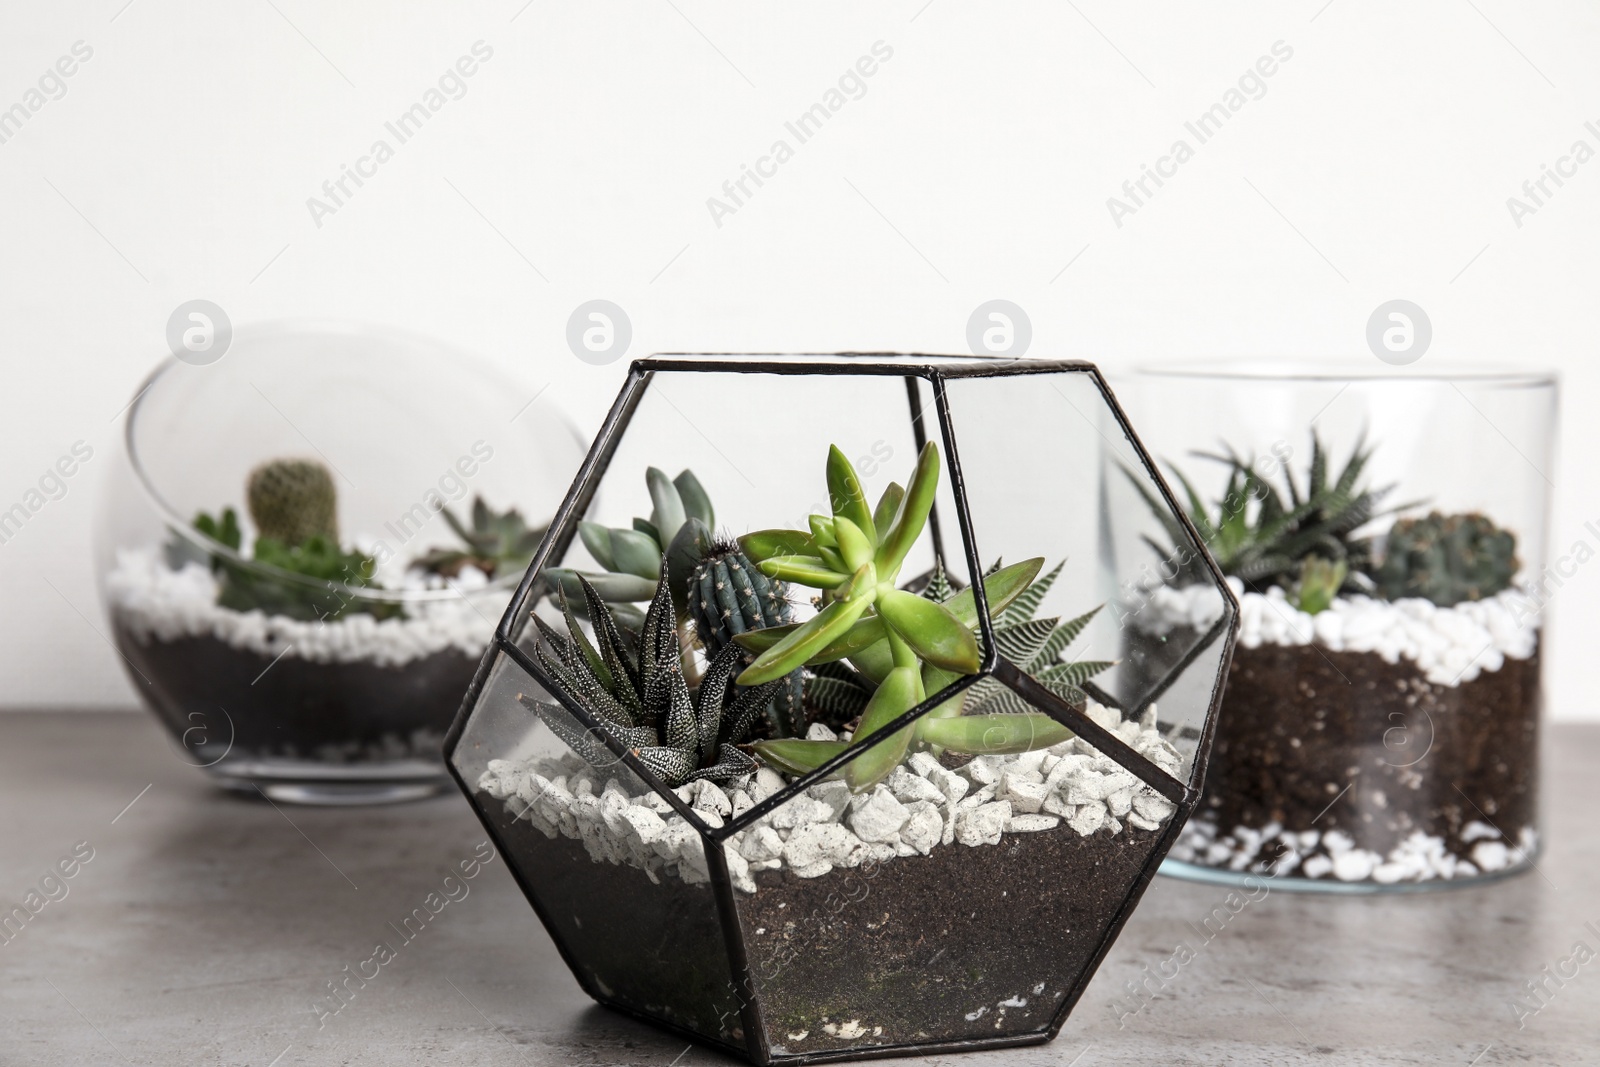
807	570
646	527
845	495
866	632
797	757
1000	589
900	692
597	539
991	734
912	514
835	699
855	546
798	647
934	634
822	531
667	512
888	505
611	586
1027	602
696	502
764	544
635	553
683	555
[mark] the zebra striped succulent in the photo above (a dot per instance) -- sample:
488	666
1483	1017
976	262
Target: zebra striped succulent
643	703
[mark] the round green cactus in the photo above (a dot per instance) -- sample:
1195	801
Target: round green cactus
1447	559
293	500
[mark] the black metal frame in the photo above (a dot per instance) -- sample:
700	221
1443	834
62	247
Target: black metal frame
936	371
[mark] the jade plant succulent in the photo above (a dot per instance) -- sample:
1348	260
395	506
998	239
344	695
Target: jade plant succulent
985	718
642	702
495	543
1302	539
1446	559
902	646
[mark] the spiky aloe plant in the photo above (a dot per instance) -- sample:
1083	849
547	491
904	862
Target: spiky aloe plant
1265	537
496	542
643	702
678	529
987	717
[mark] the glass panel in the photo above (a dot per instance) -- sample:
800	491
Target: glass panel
962	897
1050	473
618	877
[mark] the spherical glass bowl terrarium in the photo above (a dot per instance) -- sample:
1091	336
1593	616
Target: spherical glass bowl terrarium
821	736
304	547
1385	530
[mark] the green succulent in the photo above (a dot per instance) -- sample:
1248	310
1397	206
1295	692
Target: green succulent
1446	559
988	716
496	543
1263	537
680	524
330	568
1319	583
643	702
855	556
293	500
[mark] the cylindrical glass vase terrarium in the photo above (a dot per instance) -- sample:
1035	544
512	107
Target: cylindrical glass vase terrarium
304	547
1384	529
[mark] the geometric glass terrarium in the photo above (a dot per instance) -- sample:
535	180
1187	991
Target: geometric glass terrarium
822	733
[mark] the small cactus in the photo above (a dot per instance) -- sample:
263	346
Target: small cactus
728	595
292	501
1447	559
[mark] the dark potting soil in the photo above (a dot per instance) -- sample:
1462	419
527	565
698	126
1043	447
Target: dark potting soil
1301	723
963	943
206	691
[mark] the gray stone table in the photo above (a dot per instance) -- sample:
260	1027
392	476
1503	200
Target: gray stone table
205	928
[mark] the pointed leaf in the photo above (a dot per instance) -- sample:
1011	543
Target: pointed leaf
764	544
635	553
806	570
888	506
855	546
1000	588
912	514
900	692
597	539
1027	602
992	734
933	633
811	636
795	756
696	502
845	495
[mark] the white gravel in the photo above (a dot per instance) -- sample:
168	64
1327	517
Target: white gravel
921	806
1449	645
158	603
1334	856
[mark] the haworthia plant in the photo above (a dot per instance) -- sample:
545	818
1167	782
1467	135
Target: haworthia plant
642	701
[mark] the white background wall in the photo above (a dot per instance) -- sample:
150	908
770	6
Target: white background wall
977	165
